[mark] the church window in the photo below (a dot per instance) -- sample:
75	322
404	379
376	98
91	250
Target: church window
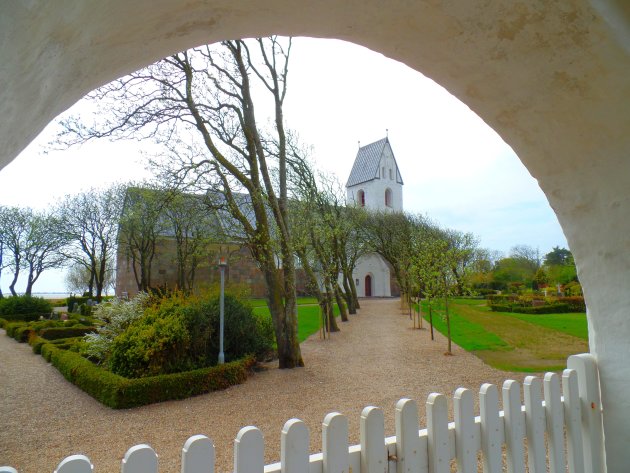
388	197
390	174
361	198
383	173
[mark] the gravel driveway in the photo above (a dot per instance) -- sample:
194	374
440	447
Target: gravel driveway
376	359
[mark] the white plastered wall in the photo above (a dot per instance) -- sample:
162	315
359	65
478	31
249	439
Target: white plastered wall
552	78
375	266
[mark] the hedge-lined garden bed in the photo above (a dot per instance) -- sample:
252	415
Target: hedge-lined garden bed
120	393
150	350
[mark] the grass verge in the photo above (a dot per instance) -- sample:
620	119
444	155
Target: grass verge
512	341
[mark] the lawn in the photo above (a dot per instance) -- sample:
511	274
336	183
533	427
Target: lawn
308	316
511	341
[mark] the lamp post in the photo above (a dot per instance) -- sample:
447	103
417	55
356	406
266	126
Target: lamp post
222	266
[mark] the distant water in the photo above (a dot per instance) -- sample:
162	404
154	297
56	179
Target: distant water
47	295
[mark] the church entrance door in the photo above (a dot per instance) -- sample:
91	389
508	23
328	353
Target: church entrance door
368	286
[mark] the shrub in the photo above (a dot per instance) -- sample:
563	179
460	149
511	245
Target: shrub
155	344
245	333
115	316
179	334
575	303
24	308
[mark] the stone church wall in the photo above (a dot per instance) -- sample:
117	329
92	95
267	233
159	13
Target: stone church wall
241	270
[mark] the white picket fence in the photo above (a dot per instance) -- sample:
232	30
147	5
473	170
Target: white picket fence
562	430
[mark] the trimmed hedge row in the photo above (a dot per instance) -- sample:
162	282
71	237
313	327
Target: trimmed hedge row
119	393
543	309
54	333
21	331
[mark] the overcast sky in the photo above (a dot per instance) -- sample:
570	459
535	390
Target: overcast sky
456	169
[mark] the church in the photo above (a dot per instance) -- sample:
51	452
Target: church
375	183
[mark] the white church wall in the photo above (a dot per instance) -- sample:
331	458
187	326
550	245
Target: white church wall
375	189
375	266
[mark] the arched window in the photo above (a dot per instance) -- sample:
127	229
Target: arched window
388	197
361	198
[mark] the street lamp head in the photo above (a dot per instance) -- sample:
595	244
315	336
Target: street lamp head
222	262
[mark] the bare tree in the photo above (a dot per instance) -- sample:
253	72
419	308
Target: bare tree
141	223
42	247
194	228
90	223
203	100
14	224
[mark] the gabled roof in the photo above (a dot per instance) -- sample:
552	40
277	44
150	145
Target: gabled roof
367	163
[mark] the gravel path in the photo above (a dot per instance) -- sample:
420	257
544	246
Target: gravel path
375	360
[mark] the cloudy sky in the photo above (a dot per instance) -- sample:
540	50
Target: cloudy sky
456	169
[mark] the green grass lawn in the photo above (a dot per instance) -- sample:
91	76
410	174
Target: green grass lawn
511	341
301	301
308	317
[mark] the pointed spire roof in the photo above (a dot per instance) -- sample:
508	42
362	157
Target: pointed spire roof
367	163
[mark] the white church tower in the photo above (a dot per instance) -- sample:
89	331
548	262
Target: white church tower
376	184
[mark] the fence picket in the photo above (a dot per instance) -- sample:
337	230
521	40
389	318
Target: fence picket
373	451
294	443
411	452
535	425
514	426
198	455
555	423
573	420
140	459
335	443
492	433
71	464
466	438
592	427
249	451
437	427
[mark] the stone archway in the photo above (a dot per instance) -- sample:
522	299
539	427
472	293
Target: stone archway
550	77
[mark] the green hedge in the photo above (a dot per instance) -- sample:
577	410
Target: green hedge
53	333
543	309
24	308
120	393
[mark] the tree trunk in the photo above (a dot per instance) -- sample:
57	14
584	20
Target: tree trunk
1	254
283	308
347	294
332	320
16	273
343	311
353	290
29	282
448	324
431	319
